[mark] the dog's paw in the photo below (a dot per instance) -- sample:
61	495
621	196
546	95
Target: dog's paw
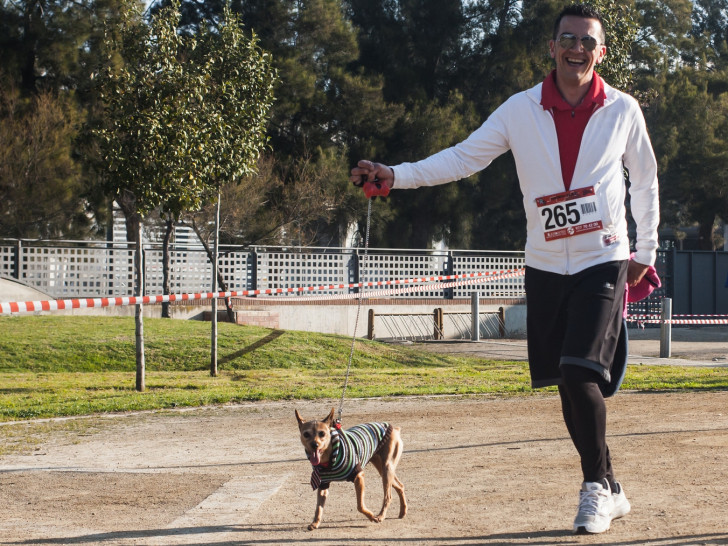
313	526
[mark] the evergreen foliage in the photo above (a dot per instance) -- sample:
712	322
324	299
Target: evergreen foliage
389	80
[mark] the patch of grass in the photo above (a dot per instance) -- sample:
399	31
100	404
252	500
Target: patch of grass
60	366
26	437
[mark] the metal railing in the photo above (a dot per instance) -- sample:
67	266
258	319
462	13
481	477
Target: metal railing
70	269
437	325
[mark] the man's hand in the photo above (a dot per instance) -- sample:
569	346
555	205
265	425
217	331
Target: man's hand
635	272
366	171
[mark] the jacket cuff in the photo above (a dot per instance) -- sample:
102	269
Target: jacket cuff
645	257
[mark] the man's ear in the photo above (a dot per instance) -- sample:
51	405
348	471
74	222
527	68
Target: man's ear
603	54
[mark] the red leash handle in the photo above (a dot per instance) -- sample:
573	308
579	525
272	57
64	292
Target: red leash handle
374	188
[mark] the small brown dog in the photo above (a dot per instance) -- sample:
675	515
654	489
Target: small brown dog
338	455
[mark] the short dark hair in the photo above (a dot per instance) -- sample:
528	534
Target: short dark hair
580	10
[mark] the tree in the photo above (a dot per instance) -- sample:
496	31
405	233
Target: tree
621	28
687	117
40	183
692	147
257	211
416	46
416	43
663	37
183	115
46	49
327	111
710	28
41	42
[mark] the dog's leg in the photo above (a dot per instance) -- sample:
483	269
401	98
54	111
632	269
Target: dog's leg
386	464
387	473
389	480
398	449
399	488
320	501
359	486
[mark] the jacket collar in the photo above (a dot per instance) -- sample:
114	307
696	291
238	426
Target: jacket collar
551	97
535	93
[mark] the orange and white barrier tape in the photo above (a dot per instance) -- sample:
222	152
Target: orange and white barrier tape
656	319
90	303
490	277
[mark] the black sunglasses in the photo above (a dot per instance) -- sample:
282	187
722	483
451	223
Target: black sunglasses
568	40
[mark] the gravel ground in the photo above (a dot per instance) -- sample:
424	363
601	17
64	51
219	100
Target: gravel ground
477	470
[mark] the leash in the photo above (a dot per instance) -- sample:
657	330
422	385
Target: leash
371	191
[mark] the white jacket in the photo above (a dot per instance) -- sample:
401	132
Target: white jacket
615	136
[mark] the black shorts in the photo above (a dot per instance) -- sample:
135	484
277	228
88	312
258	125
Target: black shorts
574	319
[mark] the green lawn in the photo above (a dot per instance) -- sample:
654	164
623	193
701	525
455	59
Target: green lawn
63	365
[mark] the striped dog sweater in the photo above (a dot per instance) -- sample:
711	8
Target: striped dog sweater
352	449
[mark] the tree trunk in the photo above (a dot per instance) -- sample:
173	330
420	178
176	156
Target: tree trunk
705	232
127	203
220	280
165	266
32	30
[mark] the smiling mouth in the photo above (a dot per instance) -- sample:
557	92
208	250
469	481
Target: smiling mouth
575	62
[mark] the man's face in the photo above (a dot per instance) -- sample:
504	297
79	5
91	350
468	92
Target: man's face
574	65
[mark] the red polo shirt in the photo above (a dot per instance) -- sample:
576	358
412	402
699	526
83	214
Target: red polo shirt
570	120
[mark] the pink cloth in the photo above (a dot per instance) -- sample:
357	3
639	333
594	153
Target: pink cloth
643	289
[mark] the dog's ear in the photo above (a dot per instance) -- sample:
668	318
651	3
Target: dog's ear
329	419
299	419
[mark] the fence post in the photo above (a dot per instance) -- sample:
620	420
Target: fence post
438	332
354	272
666	328
501	322
474	316
18	259
449	293
370	325
252	267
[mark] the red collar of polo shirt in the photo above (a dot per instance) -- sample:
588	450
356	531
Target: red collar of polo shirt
551	97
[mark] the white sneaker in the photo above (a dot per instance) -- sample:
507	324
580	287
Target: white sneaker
620	504
595	508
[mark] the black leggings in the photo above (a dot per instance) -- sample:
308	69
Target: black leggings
585	414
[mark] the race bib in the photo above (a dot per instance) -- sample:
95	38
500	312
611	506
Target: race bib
570	213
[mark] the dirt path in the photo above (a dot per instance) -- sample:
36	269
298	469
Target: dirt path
479	470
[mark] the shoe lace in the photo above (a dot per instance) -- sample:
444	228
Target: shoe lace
590	502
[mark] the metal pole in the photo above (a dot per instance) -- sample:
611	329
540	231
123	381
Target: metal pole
666	328
474	316
139	312
213	333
